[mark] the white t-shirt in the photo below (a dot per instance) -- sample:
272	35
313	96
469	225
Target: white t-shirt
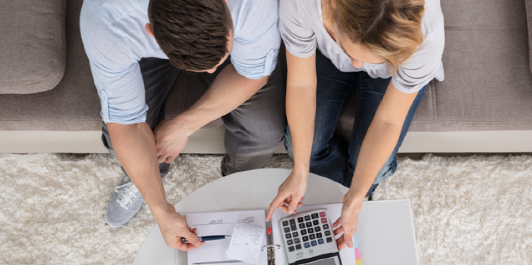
302	30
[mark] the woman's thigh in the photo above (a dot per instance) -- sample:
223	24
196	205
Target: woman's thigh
369	95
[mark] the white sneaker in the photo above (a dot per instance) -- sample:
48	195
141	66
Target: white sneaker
124	204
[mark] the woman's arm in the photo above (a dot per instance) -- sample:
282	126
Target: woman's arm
300	111
379	142
301	107
381	138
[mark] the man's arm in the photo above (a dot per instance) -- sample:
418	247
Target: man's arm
134	146
228	91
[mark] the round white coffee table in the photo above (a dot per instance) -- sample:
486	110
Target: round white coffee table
254	189
383	226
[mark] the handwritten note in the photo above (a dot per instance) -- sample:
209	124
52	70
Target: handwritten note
246	242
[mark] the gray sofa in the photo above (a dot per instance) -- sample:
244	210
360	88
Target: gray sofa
48	102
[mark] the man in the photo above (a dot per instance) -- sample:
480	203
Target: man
137	48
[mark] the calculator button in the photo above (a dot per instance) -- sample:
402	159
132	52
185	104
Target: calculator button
317	228
311	230
314	243
302	226
303	232
285	223
325	226
295	234
327	233
287	230
315	216
316	222
318	235
309	224
291	249
298	247
305	238
307	245
297	240
293	224
324	220
288	236
320	241
329	240
290	242
312	237
322	214
300	220
307	217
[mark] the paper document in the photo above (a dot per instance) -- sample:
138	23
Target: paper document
246	242
222	223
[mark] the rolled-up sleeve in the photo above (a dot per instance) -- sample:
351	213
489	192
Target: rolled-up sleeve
116	74
299	39
256	40
122	95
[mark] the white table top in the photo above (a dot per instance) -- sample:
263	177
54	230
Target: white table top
256	189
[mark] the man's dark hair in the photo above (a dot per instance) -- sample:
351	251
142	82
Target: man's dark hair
192	33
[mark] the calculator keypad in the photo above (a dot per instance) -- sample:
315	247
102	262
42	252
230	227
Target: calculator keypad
307	231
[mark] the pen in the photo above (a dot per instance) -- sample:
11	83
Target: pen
206	238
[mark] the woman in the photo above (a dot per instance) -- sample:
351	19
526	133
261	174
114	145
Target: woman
385	51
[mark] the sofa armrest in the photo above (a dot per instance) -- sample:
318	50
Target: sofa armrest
32	45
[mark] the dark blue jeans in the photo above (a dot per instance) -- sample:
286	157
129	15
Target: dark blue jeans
332	157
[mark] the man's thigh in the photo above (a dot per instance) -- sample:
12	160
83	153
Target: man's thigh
159	76
263	115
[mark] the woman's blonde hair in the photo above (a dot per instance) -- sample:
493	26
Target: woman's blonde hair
390	29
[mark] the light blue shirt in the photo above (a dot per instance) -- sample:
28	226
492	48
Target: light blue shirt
115	39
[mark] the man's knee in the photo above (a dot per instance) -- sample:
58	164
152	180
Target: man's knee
269	139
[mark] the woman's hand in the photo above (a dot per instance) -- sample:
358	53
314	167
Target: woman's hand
290	195
347	223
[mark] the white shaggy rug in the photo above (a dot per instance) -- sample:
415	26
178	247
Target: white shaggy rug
467	210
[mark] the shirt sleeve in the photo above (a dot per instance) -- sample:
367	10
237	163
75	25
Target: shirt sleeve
423	66
116	74
299	39
256	39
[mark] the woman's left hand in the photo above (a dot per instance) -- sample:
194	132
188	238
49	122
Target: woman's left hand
347	223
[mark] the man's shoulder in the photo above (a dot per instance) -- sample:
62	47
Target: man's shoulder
108	29
252	19
110	11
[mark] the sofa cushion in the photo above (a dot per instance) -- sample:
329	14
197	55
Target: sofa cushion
528	4
32	46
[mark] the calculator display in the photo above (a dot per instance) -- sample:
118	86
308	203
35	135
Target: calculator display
328	261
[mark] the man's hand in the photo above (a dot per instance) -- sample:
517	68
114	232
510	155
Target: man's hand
347	223
171	137
290	195
174	227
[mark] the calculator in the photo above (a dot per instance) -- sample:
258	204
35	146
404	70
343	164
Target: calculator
308	238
